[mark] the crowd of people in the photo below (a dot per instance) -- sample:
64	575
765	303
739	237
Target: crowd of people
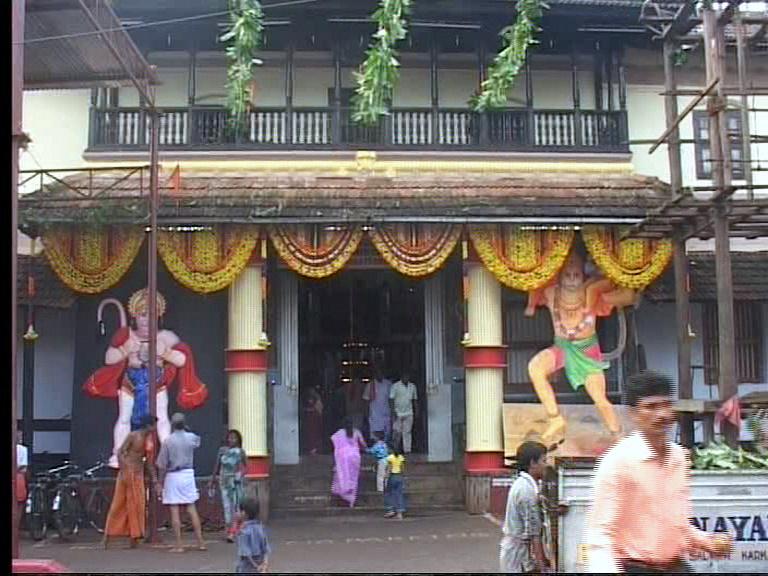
392	408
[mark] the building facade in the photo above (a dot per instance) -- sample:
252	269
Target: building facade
300	252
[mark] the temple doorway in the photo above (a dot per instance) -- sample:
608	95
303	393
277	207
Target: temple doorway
348	323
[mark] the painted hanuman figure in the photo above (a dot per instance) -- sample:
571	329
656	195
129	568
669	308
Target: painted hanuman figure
126	373
575	302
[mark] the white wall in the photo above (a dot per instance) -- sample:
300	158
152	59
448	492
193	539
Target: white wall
57	123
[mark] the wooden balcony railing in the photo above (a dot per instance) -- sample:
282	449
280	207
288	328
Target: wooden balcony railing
117	129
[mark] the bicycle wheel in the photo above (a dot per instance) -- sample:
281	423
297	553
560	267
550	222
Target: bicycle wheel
66	517
97	510
36	521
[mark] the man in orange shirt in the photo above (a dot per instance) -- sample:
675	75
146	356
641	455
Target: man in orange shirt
639	522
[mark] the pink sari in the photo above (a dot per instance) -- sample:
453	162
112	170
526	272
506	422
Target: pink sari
346	471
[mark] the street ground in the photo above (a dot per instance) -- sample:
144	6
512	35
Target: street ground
444	542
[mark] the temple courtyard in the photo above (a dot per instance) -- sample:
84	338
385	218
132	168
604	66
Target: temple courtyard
438	542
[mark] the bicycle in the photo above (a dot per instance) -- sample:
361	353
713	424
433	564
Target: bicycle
73	513
43	506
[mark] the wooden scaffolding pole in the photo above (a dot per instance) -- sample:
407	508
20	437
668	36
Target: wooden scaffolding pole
721	175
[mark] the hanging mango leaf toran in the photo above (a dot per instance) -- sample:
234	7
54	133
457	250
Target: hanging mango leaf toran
379	73
244	37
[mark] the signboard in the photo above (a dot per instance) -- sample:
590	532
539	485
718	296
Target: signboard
733	502
586	436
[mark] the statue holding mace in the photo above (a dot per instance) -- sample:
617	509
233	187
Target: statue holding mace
575	302
125	375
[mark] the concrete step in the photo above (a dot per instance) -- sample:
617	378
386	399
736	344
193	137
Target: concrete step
311	512
281	484
414	495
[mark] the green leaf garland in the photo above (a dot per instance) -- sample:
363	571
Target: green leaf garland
378	75
244	38
511	59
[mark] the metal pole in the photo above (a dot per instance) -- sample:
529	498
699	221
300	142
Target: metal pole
17	94
152	298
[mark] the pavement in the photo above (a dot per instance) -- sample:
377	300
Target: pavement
438	542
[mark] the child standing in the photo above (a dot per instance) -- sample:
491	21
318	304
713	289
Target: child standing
394	493
380	451
252	544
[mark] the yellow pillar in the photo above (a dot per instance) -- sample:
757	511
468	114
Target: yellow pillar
247	366
485	360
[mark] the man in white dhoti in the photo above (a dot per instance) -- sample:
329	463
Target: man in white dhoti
377	395
521	545
175	464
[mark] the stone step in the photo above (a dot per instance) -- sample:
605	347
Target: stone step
414	497
311	512
367	479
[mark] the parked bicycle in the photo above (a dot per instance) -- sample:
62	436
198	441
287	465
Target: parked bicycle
55	499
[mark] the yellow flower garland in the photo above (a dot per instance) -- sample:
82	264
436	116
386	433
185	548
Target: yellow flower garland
522	269
416	260
631	263
315	262
205	266
73	254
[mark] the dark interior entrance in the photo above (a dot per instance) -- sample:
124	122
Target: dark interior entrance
346	324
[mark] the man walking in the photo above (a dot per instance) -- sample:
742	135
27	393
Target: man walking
377	395
522	549
404	406
127	512
639	522
177	474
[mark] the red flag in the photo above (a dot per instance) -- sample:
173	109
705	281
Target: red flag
730	411
175	181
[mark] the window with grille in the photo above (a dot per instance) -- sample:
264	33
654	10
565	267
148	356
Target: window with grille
749	343
704	152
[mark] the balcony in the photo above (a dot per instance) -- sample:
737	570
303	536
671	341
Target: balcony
201	128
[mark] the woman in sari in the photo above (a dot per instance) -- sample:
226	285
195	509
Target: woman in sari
347	444
229	471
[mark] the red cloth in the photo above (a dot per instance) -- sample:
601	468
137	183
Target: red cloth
192	392
730	411
21	487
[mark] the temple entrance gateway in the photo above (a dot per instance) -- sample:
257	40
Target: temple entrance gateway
347	324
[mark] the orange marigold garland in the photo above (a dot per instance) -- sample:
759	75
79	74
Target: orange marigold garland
519	258
92	260
632	263
313	251
415	249
209	260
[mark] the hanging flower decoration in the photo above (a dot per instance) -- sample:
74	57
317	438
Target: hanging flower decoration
207	261
379	73
314	251
415	249
510	60
631	263
519	258
91	260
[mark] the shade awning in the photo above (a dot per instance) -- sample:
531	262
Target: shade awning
79	44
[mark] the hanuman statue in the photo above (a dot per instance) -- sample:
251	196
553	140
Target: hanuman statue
575	302
125	375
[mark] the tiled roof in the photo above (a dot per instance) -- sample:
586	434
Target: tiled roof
357	197
50	292
749	269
